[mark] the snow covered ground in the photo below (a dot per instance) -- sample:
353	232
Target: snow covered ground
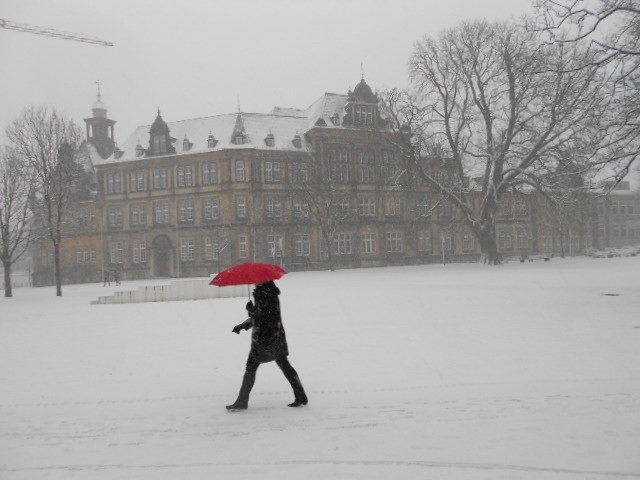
525	371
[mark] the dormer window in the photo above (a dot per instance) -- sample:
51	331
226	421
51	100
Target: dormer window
186	144
335	119
211	141
238	138
139	150
297	141
159	144
270	140
363	114
117	153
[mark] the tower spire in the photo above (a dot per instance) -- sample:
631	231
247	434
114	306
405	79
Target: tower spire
99	95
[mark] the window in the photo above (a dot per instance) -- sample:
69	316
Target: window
136	181
211	249
424	242
139	252
422	208
366	170
300	208
116	253
505	240
367	207
369	243
185	176
394	242
366	174
187	249
363	114
114	183
340	172
300	173
138	215
392	206
161	212
274	207
186	210
468	242
211	208
161	179
390	168
241	207
272	172
342	242
344	206
242	246
211	141
115	216
159	144
274	245
85	219
522	237
86	256
210	173
240	173
339	159
303	245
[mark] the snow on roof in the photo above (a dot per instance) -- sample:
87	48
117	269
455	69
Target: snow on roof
283	123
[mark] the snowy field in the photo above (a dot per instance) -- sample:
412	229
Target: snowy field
525	371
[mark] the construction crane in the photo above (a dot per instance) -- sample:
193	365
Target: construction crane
50	32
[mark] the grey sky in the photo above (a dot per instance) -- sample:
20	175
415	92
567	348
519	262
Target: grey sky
198	58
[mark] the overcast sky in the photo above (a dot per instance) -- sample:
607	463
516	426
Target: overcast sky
196	58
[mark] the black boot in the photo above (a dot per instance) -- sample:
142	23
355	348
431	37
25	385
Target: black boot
294	380
242	402
299	402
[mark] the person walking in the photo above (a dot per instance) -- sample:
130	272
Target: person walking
107	278
268	344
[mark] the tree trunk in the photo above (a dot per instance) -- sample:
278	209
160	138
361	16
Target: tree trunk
330	255
58	272
8	292
488	245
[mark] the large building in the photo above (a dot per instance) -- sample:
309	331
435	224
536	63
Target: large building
311	188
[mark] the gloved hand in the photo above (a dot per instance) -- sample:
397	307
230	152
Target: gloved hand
237	329
249	305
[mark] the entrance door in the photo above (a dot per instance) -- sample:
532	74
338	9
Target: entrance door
161	256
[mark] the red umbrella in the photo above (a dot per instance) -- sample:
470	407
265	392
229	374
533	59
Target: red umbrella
247	274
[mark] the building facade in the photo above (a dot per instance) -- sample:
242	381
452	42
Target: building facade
307	189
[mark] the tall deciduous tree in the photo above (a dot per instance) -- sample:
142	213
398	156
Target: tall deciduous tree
498	107
324	200
610	29
15	214
50	144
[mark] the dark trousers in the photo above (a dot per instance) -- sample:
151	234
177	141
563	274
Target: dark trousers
250	377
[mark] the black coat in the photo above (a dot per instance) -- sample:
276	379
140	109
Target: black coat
268	339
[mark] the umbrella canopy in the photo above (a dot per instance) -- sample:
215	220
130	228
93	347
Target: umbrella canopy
247	274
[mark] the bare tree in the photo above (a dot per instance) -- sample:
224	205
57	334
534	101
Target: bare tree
489	110
50	144
322	198
610	30
15	214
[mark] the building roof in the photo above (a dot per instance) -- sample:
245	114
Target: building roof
283	123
